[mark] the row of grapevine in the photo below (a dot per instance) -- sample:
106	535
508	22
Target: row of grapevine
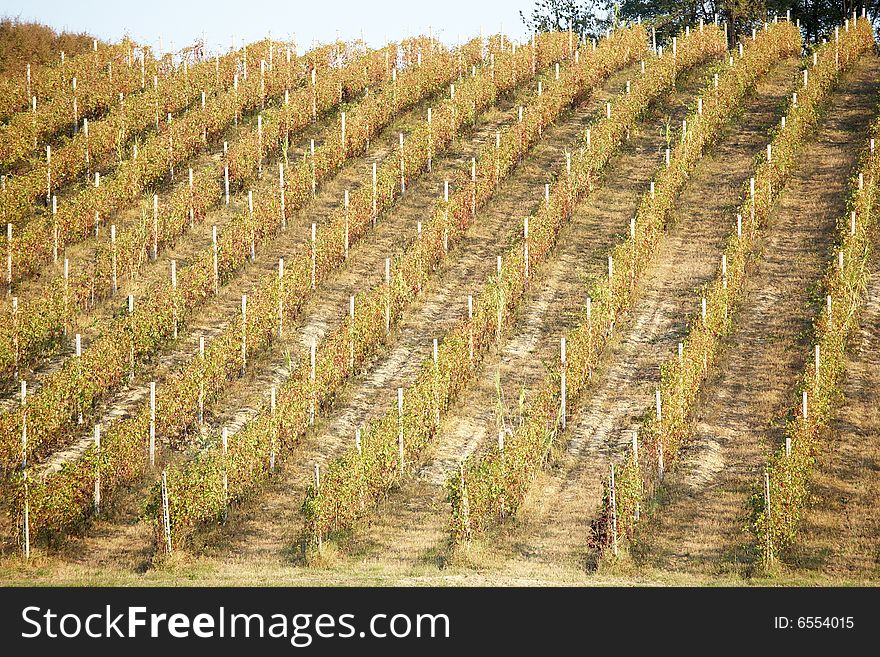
682	377
206	376
46	81
488	489
347	348
164	308
39	321
396	441
779	500
100	142
48	121
44	238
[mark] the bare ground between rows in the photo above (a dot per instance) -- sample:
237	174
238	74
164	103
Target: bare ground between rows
700	525
244	397
269	527
840	530
413	526
553	524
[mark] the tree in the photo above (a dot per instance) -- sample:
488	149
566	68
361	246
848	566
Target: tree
584	17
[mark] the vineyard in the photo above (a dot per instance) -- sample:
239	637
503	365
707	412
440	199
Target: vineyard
550	311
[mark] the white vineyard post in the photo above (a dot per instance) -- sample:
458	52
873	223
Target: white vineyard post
612	494
500	304
281	193
9	258
174	295
54	228
436	384
470	304
314	170
253	255
402	170
131	329
48	174
635	453
243	334
225	439
191	209
280	298
226	181
201	380
272	409
526	245
15	346
804	405
817	366
400	430
659	412
563	389
374	197
66	294
430	141
216	263
345	208
313	402
388	297
768	516
314	252
77	341
152	424
259	146
98	469
351	333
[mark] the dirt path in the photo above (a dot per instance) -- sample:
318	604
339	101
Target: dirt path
412	528
272	530
701	526
840	532
553	525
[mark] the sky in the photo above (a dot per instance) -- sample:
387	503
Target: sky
181	22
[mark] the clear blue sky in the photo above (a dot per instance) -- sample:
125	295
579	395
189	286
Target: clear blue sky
181	22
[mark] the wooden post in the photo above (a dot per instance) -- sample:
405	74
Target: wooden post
152	424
